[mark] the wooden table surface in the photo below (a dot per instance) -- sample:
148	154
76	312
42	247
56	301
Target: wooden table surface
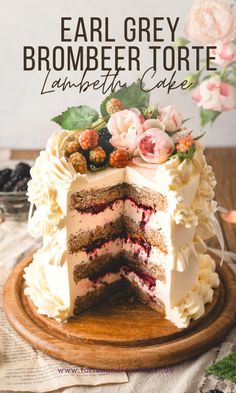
223	162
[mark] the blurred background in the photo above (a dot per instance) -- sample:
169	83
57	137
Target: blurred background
25	114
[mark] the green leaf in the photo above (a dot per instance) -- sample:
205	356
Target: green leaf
183	155
208	116
131	96
225	368
76	118
180	41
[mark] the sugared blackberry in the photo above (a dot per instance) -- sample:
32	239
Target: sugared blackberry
5	175
21	185
104	134
21	170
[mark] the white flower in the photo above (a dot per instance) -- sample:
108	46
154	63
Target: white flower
125	127
210	21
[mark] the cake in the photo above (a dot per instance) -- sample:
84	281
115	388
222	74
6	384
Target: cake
134	212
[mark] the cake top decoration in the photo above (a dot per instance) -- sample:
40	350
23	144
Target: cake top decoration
128	129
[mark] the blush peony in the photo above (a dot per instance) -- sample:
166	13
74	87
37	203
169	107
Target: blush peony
125	127
215	95
155	146
210	21
171	118
224	53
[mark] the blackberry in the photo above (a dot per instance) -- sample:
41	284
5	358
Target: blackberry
107	147
6	172
5	175
21	185
22	170
104	134
10	185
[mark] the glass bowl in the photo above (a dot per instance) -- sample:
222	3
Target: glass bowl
14	206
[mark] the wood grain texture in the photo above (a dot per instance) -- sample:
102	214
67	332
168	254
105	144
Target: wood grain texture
127	336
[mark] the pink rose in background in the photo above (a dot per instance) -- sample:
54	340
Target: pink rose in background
171	118
215	95
224	53
125	127
155	146
210	21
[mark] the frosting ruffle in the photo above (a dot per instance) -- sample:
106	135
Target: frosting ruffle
193	305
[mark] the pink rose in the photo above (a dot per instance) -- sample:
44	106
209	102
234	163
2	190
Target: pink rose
125	127
171	118
155	146
215	95
210	21
224	53
153	123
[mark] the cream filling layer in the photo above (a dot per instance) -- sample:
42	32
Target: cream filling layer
115	247
84	222
79	221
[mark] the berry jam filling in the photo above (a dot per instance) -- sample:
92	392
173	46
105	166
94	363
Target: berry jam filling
146	279
96	209
140	242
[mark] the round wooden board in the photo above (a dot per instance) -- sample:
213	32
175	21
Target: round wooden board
125	335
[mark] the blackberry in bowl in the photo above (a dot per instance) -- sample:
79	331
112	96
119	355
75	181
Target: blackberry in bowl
14	203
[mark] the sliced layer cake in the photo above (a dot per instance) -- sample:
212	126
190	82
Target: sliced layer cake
141	226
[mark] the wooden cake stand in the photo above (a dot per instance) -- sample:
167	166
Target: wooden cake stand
123	333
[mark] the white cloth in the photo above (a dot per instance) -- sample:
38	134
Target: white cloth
188	377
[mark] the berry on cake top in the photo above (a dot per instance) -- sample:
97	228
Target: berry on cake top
129	129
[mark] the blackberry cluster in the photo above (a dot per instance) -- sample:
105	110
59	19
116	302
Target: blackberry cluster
104	137
15	180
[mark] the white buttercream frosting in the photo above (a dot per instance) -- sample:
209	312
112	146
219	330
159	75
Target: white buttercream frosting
48	286
50	175
193	305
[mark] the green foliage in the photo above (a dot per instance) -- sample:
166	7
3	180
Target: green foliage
76	117
225	368
184	155
208	116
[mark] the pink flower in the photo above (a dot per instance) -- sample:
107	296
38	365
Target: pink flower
125	127
153	123
210	21
224	53
155	146
171	118
215	95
